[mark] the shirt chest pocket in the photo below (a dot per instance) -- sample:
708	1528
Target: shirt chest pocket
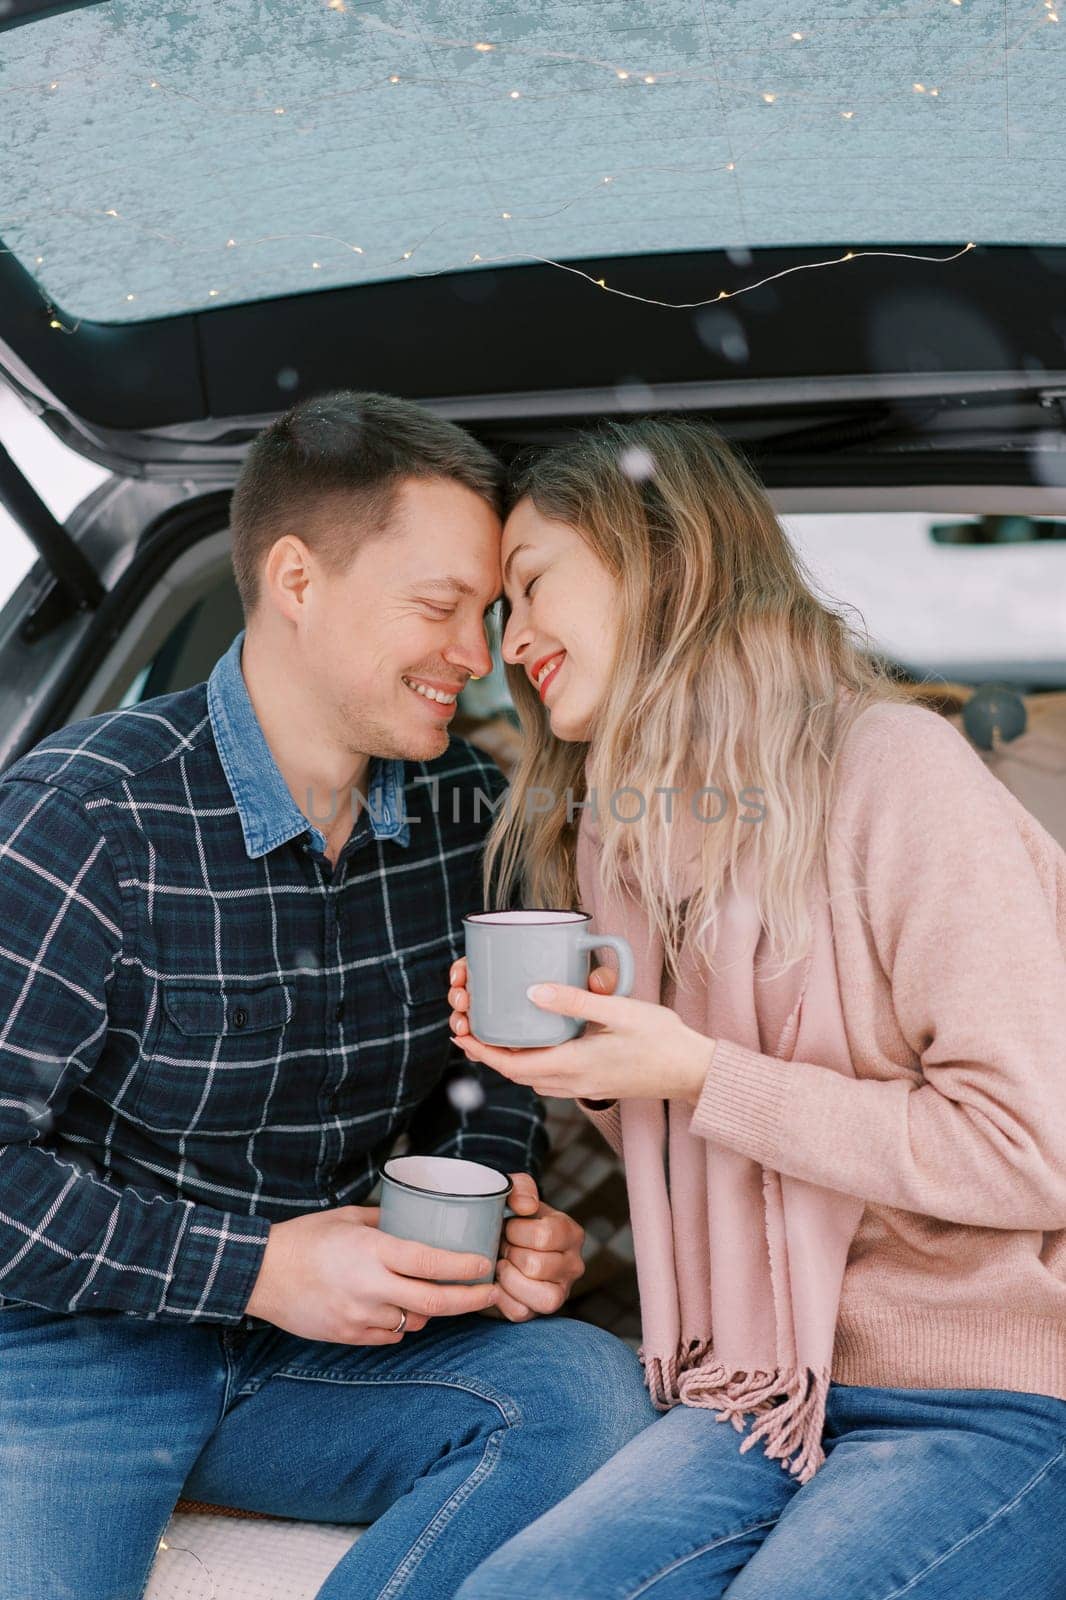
216	1056
418	1001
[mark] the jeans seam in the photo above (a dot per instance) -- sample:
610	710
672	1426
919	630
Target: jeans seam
988	1522
232	1366
443	1516
634	1594
503	1403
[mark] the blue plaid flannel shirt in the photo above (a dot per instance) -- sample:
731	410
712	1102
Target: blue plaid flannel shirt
204	1027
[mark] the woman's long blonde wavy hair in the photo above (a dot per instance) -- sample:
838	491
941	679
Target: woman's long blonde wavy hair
728	671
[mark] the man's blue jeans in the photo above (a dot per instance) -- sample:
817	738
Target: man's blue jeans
449	1442
928	1494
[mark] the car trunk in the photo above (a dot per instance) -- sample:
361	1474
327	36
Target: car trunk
877	326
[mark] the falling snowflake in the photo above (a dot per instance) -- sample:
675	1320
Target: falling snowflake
637	463
466	1094
721	331
40	1116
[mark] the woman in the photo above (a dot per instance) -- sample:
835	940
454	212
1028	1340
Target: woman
839	1086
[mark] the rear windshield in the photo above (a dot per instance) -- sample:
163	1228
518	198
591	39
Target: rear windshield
156	159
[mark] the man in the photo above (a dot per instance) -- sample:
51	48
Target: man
228	916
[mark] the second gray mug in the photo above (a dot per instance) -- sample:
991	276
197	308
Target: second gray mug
447	1202
506	951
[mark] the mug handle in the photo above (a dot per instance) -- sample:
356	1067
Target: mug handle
620	946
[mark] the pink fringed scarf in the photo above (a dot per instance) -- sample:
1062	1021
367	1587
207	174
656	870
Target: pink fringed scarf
739	1267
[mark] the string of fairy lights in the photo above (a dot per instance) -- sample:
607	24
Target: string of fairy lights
627	77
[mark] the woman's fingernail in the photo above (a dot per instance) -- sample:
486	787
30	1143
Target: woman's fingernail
541	991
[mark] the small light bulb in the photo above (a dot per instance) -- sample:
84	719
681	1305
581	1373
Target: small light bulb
336	5
506	215
623	74
797	36
316	265
849	255
934	91
602	282
40	261
475	258
131	297
153	84
55	324
407	255
769	98
515	95
847	115
279	111
394	79
212	293
484	47
731	166
722	295
919	88
53	86
230	243
649	79
358	249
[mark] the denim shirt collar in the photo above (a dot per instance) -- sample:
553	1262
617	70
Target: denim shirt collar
269	815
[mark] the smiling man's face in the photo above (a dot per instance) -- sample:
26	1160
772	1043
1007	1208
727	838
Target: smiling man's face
389	642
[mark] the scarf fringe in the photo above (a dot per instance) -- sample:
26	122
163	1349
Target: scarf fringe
661	1378
789	1404
663	1374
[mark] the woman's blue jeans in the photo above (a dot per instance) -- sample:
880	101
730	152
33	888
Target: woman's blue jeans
449	1442
932	1494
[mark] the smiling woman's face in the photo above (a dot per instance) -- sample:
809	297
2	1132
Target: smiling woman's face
563	625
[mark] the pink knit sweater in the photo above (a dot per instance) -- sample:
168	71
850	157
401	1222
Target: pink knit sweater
953	1130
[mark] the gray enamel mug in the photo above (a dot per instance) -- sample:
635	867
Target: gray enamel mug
445	1202
507	951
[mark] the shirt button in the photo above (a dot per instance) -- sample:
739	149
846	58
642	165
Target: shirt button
338	1015
240	1017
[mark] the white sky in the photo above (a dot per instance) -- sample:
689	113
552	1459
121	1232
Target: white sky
927	603
60	477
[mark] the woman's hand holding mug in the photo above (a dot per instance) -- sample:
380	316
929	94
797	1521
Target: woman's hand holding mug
632	1048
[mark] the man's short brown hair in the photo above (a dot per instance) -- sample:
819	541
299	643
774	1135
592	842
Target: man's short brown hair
346	451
